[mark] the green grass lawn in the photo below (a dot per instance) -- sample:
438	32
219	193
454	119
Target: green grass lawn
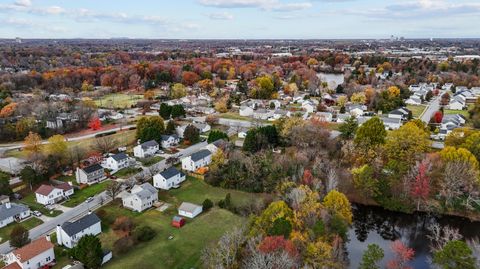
123	138
151	160
461	112
118	100
31	202
196	191
80	195
126	172
27	224
234	116
183	251
416	110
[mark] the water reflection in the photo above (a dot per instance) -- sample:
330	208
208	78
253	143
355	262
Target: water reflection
375	225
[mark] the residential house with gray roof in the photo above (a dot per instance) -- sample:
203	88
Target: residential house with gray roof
69	233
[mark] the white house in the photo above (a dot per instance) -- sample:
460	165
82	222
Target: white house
189	210
215	145
49	195
37	254
146	149
90	175
11	212
197	160
456	104
202	127
246	111
262	114
400	113
414	100
309	106
117	161
169	141
356	110
391	123
168	178
326	116
141	197
69	233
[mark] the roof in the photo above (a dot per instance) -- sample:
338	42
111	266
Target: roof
148	144
200	155
64	186
166	137
92	168
45	190
14	209
188	207
33	249
120	156
144	191
12	266
171	172
177	218
72	228
391	120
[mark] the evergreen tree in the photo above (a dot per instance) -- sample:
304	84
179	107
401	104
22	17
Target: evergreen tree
170	127
165	111
215	135
150	128
19	237
371	257
191	134
455	255
89	251
178	111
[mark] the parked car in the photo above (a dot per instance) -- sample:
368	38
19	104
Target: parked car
37	213
89	199
17	196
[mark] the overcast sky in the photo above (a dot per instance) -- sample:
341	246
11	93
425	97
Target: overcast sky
240	19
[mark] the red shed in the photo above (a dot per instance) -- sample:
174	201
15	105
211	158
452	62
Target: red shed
178	221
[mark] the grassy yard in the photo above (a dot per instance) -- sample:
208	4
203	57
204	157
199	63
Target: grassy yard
126	172
121	139
80	195
27	224
118	100
151	160
416	110
31	202
461	112
183	251
234	116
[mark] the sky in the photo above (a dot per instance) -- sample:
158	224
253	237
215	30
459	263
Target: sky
240	19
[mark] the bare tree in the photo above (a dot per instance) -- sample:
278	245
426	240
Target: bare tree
113	189
459	179
295	197
439	236
259	260
224	253
104	144
75	155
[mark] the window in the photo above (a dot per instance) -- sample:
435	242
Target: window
48	259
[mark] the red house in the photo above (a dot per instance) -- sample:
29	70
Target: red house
178	221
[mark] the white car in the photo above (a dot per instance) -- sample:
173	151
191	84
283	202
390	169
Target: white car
89	199
37	213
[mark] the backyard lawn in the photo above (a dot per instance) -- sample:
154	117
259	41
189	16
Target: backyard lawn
234	116
416	110
31	202
461	112
150	160
118	100
80	195
27	224
126	172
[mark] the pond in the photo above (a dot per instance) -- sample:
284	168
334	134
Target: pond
373	225
332	79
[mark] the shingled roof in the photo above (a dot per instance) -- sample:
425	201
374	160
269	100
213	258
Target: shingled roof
72	228
200	155
33	249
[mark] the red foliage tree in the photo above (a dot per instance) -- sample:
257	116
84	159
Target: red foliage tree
95	123
307	177
437	117
403	255
189	78
277	243
421	185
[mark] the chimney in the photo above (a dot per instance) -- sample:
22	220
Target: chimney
8	205
59	234
48	238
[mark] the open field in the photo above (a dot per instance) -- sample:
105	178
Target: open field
80	195
416	110
118	100
27	224
123	138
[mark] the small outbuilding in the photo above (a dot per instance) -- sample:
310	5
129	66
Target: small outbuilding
178	221
189	210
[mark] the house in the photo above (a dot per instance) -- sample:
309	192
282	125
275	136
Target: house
37	254
262	114
391	123
246	111
69	233
279	113
325	116
168	178
202	127
341	118
117	161
141	197
189	210
400	113
447	86
309	106
414	100
169	141
11	212
356	109
197	160
216	145
90	175
49	195
456	104
178	221
146	149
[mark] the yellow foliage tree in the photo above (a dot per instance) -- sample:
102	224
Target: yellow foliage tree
341	100
337	203
33	143
275	210
57	145
319	254
393	91
358	98
8	110
221	106
452	154
149	95
178	91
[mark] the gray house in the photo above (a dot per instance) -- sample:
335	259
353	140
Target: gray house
10	212
90	175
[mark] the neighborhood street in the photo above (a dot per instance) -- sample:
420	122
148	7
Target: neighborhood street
433	107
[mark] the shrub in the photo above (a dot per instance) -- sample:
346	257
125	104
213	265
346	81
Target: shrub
123	223
123	245
207	204
144	233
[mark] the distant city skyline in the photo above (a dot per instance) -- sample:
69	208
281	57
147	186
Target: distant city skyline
240	19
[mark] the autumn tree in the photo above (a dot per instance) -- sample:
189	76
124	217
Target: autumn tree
95	123
472	144
150	128
57	146
149	95
337	203
19	236
274	211
369	136
358	98
264	88
8	110
178	91
113	189
221	106
33	143
455	255
191	134
403	255
371	257
420	189
365	181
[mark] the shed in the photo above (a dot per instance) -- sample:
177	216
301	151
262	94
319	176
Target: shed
189	210
178	221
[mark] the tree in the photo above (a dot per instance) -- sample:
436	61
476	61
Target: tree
371	257
455	255
221	106
275	210
403	255
215	135
144	233
5	184
33	143
207	204
89	251
170	127
218	159
191	134
348	128
358	98
149	95
451	154
19	236
365	181
113	189
8	110
57	146
224	253
24	126
165	111
337	203
420	190
150	128
282	227
393	91
104	144
264	88
371	134
95	123
472	144
178	111
178	91
29	175
437	117
429	96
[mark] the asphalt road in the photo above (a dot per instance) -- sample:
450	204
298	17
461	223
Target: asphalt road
433	107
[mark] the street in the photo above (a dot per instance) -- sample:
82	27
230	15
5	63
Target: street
432	107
